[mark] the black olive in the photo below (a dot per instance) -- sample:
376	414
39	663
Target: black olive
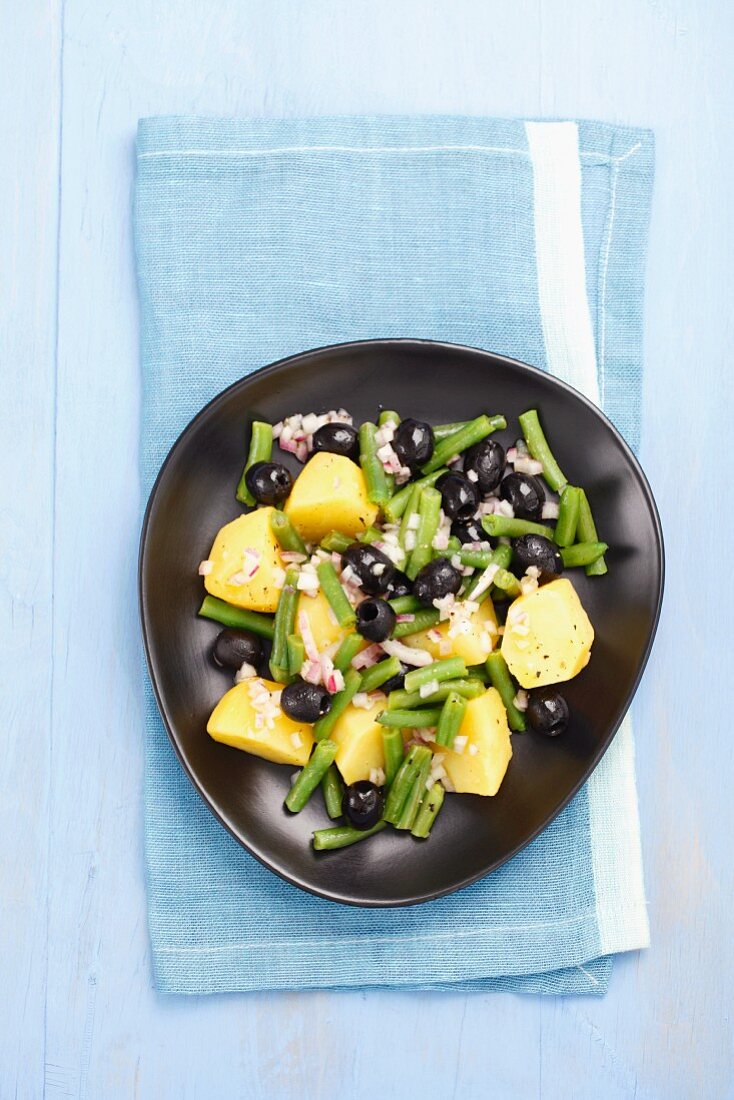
337	439
487	461
234	648
375	619
539	551
305	702
396	682
399	585
413	442
469	530
373	568
547	711
362	804
525	494
269	482
434	581
459	495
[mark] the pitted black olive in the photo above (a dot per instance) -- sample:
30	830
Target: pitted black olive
399	585
487	461
305	702
269	482
539	551
362	804
375	619
547	711
373	569
459	495
469	530
234	648
413	443
434	581
337	439
525	493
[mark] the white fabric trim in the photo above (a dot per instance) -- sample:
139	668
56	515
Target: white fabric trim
570	353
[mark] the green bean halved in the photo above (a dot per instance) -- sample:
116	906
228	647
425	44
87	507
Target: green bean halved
410	719
452	715
411	509
499	674
449	668
309	777
338	600
540	450
472	432
296	654
582	553
392	746
505	527
339	704
285	618
378	488
238	617
586	532
417	793
397	504
336	541
332	788
286	534
341	836
405	605
347	651
403	782
377	675
432	803
409	700
261	448
568	516
429	512
422	620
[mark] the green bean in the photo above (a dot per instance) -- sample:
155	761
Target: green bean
296	654
378	491
422	620
337	541
335	594
541	452
415	797
397	504
285	618
428	520
410	719
499	526
405	605
479	673
432	803
506	583
374	677
568	516
286	534
582	553
387	415
409	700
392	745
499	674
332	788
586	532
447	669
410	511
347	651
238	617
452	715
472	432
372	534
341	836
261	448
339	704
309	778
441	431
501	556
403	781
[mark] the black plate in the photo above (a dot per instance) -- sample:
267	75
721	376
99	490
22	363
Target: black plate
194	496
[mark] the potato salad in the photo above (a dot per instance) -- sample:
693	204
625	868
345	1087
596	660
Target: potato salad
394	614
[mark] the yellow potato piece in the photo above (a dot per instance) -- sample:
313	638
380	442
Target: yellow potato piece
321	618
329	494
548	636
234	721
474	646
240	545
481	767
359	738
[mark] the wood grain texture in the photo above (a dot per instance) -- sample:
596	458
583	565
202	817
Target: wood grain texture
78	1001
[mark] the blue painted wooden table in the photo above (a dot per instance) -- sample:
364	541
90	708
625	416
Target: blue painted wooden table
78	1014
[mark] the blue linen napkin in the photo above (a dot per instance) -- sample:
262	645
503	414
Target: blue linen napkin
258	239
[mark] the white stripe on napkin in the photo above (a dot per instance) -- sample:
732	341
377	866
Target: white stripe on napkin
571	356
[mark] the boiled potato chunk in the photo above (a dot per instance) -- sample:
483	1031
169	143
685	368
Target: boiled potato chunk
547	636
481	767
329	494
360	742
474	643
321	618
241	719
243	547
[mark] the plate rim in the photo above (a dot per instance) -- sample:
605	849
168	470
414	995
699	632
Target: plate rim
286	362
